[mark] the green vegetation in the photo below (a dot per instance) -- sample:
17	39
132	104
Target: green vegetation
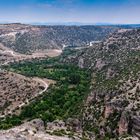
123	71
61	101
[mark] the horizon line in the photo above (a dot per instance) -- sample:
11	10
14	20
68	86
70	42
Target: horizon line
66	23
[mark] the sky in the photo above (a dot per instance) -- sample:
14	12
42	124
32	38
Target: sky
67	11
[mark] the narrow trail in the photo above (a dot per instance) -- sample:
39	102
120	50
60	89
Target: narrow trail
11	52
45	84
16	57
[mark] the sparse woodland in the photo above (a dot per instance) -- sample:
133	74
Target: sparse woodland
96	94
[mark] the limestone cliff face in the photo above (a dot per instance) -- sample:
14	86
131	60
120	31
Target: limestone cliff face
113	105
123	123
108	110
136	126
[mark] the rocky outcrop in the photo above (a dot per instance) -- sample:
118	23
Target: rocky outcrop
56	125
136	126
81	63
33	130
108	110
99	64
74	124
123	123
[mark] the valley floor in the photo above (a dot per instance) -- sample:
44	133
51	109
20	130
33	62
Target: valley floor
8	55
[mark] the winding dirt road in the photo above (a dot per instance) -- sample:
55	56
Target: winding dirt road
45	84
42	82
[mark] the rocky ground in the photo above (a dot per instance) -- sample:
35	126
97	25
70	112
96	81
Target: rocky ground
113	107
33	130
27	38
9	55
16	90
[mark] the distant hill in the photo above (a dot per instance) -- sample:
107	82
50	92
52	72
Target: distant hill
28	38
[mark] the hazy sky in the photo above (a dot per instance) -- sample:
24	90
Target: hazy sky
85	11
